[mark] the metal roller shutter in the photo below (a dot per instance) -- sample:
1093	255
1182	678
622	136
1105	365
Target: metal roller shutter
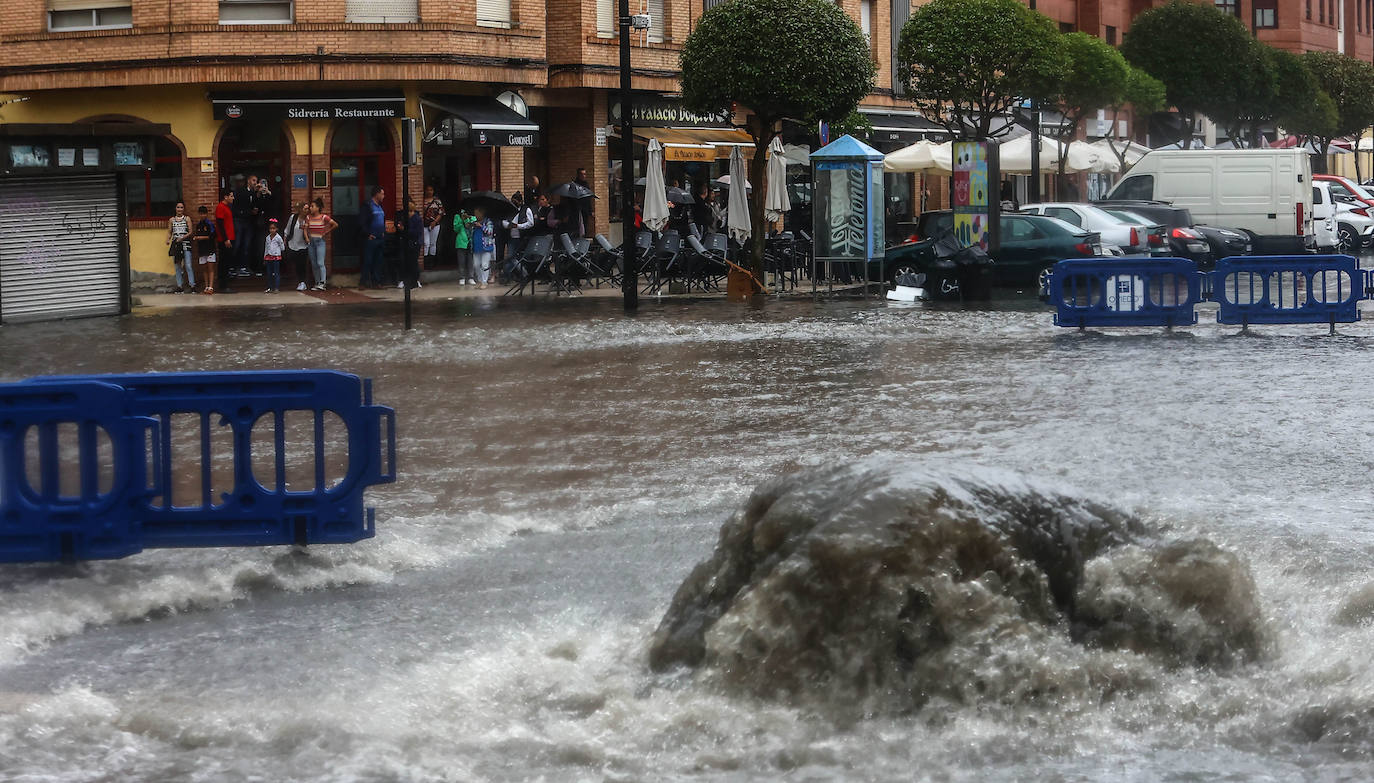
383	11
493	12
59	248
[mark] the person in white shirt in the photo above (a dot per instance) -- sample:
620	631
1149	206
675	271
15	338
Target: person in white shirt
296	244
523	220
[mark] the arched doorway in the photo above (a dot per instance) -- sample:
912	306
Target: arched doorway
360	158
259	148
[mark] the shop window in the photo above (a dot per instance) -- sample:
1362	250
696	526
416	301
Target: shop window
255	12
1266	14
154	192
382	11
89	14
493	13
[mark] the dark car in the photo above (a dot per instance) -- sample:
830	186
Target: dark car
1185	240
1030	244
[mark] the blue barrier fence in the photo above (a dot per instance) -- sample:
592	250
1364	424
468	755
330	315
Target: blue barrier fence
104	466
1288	289
1103	292
1128	292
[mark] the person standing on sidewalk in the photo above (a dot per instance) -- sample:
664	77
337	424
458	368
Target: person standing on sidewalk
204	237
179	248
245	219
585	209
317	227
521	222
483	246
296	244
413	246
224	235
374	224
463	224
273	248
433	219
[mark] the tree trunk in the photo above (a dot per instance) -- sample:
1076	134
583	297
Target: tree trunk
763	133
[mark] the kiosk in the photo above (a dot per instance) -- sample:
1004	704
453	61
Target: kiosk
848	208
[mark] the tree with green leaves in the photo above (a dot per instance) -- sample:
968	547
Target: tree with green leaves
1096	78
1350	85
967	63
803	60
1200	53
1145	95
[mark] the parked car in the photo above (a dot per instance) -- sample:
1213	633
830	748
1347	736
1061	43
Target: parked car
1324	218
1354	226
1030	243
1345	187
1185	241
1114	230
1156	235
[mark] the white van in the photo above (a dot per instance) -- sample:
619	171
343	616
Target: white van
1267	192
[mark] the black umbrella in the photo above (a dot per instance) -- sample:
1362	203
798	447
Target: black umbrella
496	205
680	196
571	190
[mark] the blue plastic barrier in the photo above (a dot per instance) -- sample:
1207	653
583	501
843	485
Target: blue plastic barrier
61	498
1288	289
1125	292
222	469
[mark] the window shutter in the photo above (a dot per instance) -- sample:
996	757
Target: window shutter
383	11
901	12
605	16
86	5
495	12
655	10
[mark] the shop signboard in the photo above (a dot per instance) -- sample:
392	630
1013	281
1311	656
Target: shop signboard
655	111
307	107
504	138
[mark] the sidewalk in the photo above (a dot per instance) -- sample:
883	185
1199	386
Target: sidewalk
251	294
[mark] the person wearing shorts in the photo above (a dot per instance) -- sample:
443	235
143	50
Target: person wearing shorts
204	239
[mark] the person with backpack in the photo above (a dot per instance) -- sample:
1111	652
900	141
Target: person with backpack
463	224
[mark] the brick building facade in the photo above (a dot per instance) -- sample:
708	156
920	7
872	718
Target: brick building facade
457	65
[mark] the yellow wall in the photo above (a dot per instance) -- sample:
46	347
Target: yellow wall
186	108
148	251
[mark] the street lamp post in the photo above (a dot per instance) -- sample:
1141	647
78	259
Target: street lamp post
629	277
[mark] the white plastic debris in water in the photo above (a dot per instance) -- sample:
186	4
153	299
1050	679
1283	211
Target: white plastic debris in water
906	293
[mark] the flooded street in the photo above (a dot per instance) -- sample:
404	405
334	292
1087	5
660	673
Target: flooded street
562	468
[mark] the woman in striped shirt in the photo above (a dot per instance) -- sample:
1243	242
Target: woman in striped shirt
317	227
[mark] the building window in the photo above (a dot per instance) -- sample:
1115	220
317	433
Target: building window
1111	35
493	13
1231	7
605	17
709	4
901	12
866	17
381	11
255	12
654	8
154	193
89	14
1309	9
1266	14
1066	27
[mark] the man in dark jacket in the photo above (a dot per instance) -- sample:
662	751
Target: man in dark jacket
585	207
245	224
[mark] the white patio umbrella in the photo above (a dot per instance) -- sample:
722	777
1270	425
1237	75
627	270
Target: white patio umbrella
1114	147
737	218
922	156
1098	160
776	201
1015	157
655	195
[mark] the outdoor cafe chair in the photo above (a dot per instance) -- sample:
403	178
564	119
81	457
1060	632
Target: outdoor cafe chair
531	262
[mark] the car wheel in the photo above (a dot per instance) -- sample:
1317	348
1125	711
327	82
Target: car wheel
1346	238
899	270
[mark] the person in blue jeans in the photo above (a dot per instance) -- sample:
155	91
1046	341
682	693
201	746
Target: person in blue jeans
374	225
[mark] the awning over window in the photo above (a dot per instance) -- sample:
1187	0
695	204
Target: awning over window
308	105
697	144
489	123
907	127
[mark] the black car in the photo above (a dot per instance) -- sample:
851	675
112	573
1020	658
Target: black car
1030	244
1186	240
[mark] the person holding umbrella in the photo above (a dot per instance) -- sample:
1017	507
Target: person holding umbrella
483	245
